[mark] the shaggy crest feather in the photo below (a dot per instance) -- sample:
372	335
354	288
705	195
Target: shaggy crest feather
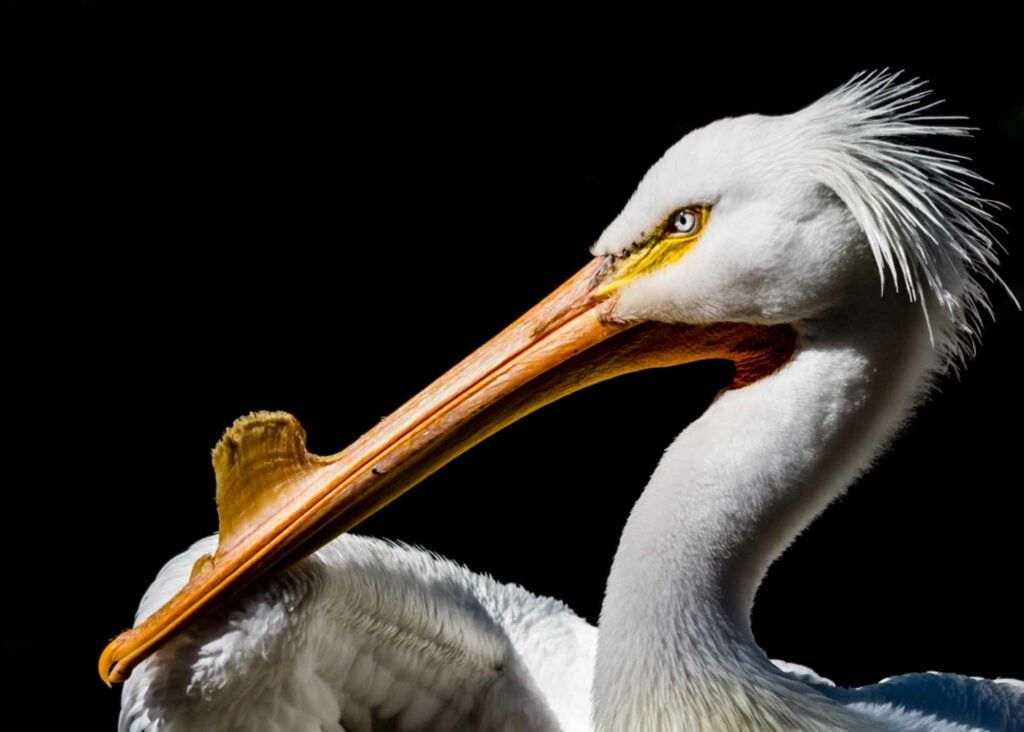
925	222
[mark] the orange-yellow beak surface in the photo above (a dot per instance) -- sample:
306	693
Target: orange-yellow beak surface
277	502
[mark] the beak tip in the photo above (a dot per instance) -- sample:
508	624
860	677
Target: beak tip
109	667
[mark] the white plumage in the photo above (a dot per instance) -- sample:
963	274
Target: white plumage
791	221
367	631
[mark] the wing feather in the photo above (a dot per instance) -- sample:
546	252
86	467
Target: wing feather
366	636
928	702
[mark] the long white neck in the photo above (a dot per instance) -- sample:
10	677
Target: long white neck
675	649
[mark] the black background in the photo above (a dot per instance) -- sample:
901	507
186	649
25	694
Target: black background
320	214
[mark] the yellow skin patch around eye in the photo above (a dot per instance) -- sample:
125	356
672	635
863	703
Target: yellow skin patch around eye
660	249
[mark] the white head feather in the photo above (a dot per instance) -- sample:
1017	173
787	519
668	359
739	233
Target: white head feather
780	180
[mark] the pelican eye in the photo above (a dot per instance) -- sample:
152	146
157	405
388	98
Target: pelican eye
684	222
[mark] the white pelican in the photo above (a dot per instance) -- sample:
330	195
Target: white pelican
831	254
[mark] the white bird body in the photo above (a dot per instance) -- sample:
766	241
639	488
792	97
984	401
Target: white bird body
364	631
797	217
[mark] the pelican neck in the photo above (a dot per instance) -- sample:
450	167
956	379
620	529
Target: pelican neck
675	647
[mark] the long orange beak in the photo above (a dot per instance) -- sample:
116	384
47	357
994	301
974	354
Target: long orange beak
277	502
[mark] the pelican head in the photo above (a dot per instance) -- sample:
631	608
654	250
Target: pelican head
792	211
